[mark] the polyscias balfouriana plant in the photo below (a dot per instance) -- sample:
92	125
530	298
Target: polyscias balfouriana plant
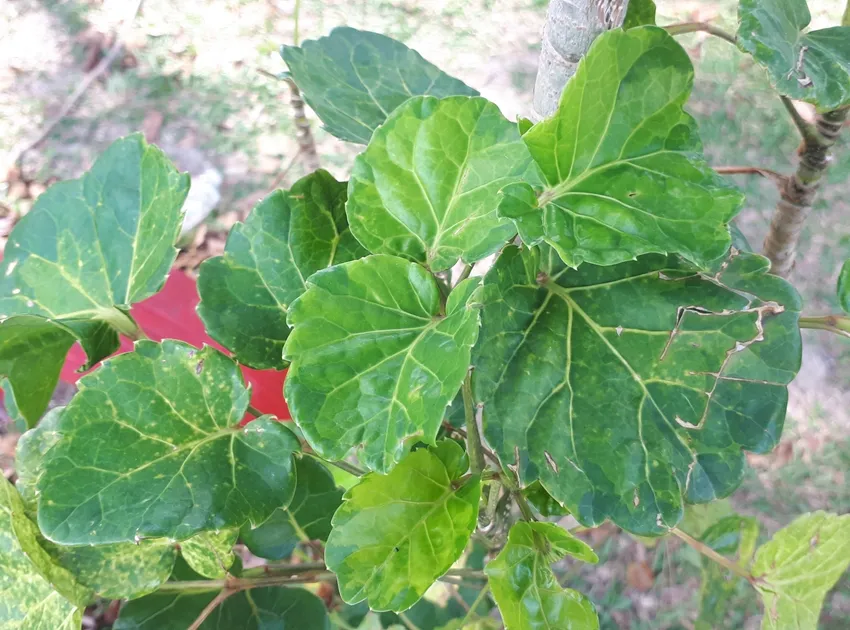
503	322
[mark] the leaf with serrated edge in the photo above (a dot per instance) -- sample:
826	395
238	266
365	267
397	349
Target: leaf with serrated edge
255	609
354	79
210	553
374	358
395	534
29	601
307	517
811	66
288	236
426	188
623	163
151	446
796	569
628	390
525	587
87	250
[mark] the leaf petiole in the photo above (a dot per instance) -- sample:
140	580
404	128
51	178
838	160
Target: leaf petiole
838	324
694	27
711	554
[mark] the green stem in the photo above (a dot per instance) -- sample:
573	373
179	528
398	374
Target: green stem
845	21
693	27
524	507
464	274
467	574
710	553
123	323
473	438
407	622
340	622
838	324
807	130
475	604
254	411
295	13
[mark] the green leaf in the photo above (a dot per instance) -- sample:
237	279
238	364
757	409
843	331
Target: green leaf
811	66
210	553
426	188
354	79
542	501
29	456
29	601
88	249
639	13
481	623
255	609
395	534
844	287
628	390
14	414
525	587
375	357
623	163
307	517
245	294
796	569
732	536
151	446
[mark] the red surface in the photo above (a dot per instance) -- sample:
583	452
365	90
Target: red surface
171	314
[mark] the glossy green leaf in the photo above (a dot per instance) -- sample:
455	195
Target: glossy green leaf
426	188
628	390
245	294
307	517
151	447
639	13
812	66
796	569
87	250
542	501
734	536
525	587
210	553
395	534
29	456
256	609
623	163
28	600
844	287
375	357
354	79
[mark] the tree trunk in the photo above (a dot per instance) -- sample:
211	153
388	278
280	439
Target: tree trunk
571	26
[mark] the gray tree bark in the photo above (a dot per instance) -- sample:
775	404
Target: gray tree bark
571	26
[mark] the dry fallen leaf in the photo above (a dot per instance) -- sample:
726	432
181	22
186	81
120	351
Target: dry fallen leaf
639	576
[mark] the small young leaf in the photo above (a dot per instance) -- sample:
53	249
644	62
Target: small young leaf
809	66
354	79
844	287
796	569
623	163
308	516
151	447
256	609
210	553
375	359
639	13
29	601
87	250
426	188
525	587
630	389
290	235
395	534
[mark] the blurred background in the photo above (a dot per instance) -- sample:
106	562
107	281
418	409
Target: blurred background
198	78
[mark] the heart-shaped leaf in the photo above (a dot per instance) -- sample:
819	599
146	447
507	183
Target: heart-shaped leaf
151	446
630	389
376	357
426	188
796	569
525	587
395	534
811	66
623	163
290	235
87	250
354	79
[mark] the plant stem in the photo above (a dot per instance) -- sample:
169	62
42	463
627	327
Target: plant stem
254	411
473	438
845	21
467	574
209	608
693	27
838	324
464	274
710	553
807	130
407	622
295	13
524	507
779	178
475	604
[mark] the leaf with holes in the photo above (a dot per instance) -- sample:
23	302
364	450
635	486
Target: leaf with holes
628	390
395	534
245	294
525	587
376	357
426	188
354	79
795	570
151	446
307	517
623	163
87	250
811	66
